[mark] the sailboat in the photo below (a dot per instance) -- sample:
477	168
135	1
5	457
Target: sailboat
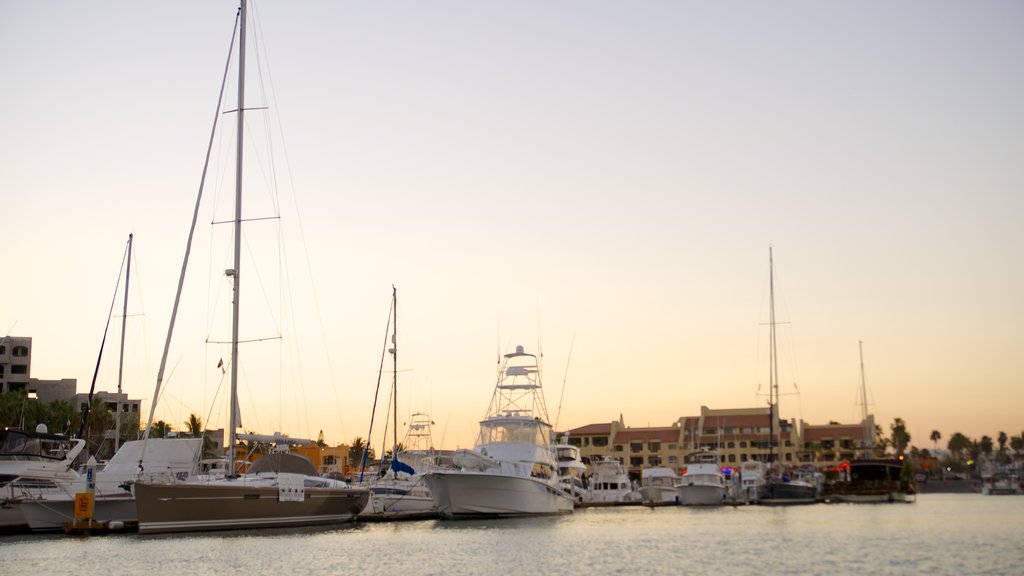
779	488
868	479
512	470
400	492
281	489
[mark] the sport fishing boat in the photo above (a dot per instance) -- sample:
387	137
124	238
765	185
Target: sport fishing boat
512	470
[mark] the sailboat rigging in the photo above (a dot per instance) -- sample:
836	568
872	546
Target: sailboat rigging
778	488
280	489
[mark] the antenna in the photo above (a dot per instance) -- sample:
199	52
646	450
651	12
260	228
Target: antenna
558	414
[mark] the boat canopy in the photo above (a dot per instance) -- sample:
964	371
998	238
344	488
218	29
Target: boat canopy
514	430
283	462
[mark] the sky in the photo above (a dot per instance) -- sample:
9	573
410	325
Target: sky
599	181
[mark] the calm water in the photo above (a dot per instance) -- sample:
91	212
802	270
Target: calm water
939	534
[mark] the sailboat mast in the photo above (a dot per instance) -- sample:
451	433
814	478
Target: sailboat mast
234	272
773	362
394	371
120	365
864	404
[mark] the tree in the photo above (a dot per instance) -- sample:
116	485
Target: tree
195	428
355	452
935	437
100	421
1002	442
160	429
900	436
958	443
985	445
1017	443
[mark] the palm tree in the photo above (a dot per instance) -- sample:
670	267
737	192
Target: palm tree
195	428
958	443
62	416
356	451
900	436
985	445
100	420
160	429
935	437
1002	442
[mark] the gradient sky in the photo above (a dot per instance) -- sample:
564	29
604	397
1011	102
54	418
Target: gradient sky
599	179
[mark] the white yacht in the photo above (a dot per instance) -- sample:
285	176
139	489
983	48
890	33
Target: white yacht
32	464
570	471
153	460
703	483
609	483
658	486
752	476
511	471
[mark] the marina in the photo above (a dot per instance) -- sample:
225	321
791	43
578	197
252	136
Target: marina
941	534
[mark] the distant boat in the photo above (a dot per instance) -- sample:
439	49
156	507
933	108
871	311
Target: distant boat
279	489
658	486
871	481
1000	480
703	483
778	487
609	482
511	471
570	471
33	463
402	492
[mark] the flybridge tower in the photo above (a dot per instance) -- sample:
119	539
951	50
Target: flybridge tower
519	390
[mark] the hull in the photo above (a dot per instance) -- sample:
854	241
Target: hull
701	495
659	495
467	495
50	515
164	508
11	517
787	493
400	501
869	497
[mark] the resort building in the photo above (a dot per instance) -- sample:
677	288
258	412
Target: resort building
737	434
15	362
829	444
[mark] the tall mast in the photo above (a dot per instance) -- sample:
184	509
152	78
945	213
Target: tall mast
394	370
773	363
120	365
864	405
234	272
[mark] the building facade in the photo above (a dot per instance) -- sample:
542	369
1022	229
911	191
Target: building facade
15	363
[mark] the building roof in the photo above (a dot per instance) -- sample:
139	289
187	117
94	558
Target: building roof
738	420
605	428
635	434
813	433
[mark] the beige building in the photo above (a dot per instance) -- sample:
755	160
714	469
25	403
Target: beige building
15	362
738	434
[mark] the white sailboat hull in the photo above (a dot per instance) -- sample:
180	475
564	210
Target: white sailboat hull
471	494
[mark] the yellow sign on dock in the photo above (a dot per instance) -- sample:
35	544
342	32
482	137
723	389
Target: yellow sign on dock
83	505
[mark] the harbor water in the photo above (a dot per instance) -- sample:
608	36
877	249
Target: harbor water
939	534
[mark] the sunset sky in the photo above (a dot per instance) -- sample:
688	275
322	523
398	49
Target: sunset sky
598	180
